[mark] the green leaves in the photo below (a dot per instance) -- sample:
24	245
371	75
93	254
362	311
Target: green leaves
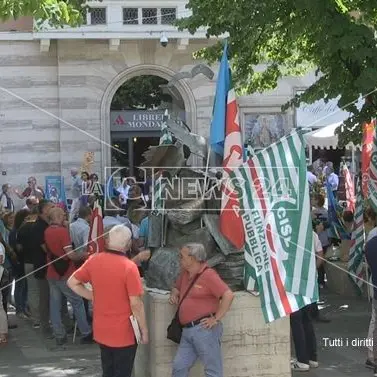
290	37
341	6
141	92
56	13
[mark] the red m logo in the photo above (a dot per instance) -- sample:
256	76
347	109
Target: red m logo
119	120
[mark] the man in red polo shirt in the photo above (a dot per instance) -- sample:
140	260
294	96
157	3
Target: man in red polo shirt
200	313
60	257
117	293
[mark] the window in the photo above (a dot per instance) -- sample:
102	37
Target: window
168	16
149	16
98	16
130	16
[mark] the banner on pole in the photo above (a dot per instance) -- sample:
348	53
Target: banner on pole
275	206
55	190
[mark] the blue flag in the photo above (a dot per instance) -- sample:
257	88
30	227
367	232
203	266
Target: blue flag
217	135
335	215
109	191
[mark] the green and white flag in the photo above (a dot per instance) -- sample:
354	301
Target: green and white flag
251	284
166	136
356	254
275	208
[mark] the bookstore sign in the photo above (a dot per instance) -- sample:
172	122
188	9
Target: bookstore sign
136	120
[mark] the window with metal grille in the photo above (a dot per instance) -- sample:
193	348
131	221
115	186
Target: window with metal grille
149	16
130	16
168	16
98	16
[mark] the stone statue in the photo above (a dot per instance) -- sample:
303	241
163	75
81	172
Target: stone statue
88	162
187	215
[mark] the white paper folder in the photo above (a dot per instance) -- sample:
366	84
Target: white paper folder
136	329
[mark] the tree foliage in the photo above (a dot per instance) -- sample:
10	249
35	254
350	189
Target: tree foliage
290	37
56	13
140	92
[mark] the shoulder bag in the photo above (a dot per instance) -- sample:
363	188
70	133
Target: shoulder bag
174	331
61	265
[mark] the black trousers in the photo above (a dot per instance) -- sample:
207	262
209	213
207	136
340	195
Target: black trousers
314	310
303	335
87	311
117	362
321	268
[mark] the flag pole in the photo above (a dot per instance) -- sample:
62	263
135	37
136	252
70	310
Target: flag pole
205	180
206	171
163	224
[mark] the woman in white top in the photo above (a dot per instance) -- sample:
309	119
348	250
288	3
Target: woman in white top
3	316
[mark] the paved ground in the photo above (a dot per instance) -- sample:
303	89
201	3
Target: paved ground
349	321
28	355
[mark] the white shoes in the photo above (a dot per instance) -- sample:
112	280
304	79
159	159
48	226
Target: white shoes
313	364
301	367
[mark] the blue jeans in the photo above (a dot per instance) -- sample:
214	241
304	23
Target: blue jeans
205	344
58	288
21	295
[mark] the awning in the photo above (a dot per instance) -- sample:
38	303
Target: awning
325	138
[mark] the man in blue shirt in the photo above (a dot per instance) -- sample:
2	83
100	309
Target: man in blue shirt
332	180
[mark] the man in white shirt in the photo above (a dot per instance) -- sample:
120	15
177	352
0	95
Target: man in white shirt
79	230
311	177
76	192
123	190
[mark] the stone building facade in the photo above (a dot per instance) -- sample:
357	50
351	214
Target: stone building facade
56	87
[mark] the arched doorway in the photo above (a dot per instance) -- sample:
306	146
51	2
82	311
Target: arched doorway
181	88
136	116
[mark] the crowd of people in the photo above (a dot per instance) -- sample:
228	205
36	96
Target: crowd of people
32	238
44	252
